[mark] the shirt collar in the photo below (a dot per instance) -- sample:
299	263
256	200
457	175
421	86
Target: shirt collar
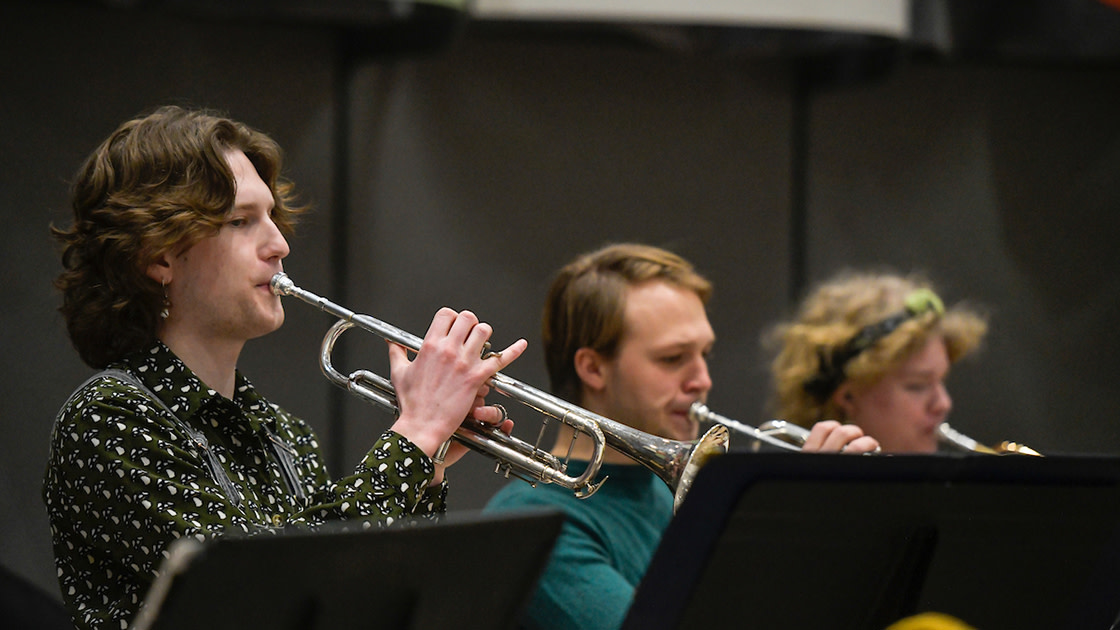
180	389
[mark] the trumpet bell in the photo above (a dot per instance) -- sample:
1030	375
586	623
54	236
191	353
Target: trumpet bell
714	442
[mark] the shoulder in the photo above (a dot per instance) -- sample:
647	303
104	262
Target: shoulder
105	427
105	391
112	404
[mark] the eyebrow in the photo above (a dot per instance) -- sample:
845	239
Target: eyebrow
911	373
252	205
682	345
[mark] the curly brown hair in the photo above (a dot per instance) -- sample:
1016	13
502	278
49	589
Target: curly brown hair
158	184
585	306
832	315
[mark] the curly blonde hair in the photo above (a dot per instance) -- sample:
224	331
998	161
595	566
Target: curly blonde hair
159	183
828	320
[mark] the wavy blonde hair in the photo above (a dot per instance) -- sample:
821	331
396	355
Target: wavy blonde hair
835	312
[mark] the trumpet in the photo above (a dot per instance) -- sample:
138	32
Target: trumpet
790	436
779	433
674	462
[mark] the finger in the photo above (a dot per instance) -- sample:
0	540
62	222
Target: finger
478	405
840	437
509	355
490	414
477	342
463	329
862	445
818	434
398	355
442	323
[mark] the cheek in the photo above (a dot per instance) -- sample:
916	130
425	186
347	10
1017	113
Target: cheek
659	386
641	390
633	389
877	404
901	404
907	409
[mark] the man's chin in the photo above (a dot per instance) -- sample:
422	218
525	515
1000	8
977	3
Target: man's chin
269	325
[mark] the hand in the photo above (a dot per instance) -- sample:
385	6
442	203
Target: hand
830	436
446	381
492	415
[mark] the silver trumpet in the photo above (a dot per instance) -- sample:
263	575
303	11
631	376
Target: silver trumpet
790	436
675	462
779	433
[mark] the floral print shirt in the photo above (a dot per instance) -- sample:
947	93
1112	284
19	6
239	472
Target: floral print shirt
128	474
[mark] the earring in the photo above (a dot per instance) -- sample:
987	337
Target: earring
166	311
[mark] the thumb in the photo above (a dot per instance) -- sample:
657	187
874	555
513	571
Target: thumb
398	355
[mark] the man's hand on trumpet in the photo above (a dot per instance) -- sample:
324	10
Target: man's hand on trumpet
446	383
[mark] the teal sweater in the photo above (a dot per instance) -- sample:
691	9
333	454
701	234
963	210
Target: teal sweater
604	548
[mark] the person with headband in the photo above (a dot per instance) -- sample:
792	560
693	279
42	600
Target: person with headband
872	349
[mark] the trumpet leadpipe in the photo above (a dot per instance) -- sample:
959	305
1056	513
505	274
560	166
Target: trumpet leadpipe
700	412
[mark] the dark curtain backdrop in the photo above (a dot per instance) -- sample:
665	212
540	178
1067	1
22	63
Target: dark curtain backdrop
465	172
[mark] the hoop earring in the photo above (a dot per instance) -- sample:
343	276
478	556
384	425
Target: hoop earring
165	312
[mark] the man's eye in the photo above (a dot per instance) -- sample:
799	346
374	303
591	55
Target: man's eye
238	222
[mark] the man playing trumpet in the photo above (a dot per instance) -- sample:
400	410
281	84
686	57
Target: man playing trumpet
179	224
626	335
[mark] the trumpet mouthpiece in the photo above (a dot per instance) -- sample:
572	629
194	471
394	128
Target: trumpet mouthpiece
281	284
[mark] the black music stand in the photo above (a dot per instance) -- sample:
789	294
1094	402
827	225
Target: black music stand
469	569
787	540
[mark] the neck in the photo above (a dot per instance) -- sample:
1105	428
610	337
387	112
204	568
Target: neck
214	364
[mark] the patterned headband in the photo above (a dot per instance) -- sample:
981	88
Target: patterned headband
831	372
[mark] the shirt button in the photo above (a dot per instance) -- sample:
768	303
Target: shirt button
277	520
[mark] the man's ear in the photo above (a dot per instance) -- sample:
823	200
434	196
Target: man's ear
589	368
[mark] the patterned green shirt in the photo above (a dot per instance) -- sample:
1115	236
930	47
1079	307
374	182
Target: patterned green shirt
128	474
